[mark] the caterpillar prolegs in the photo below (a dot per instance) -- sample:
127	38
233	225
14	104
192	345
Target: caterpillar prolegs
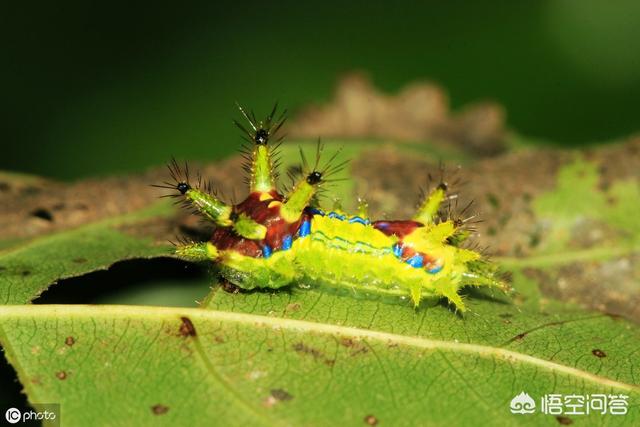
271	240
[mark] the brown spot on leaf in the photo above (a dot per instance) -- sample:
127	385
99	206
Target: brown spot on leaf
70	341
598	353
159	409
302	348
293	307
519	336
347	342
79	260
305	349
277	395
356	346
61	375
371	420
360	350
229	287
281	395
186	328
565	421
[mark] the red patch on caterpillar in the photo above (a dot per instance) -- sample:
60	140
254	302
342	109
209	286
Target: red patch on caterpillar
227	239
399	228
264	212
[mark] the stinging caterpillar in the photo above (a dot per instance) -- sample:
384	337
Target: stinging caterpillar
271	240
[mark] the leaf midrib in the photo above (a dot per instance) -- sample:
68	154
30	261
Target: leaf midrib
151	312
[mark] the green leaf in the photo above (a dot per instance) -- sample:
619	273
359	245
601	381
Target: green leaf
29	267
305	358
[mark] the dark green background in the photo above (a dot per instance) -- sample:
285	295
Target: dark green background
98	88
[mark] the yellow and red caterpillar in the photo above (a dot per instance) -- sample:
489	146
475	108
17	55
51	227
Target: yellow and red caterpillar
270	240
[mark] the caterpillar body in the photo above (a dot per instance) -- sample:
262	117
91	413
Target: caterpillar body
270	240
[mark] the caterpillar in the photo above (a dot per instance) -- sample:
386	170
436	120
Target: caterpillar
272	240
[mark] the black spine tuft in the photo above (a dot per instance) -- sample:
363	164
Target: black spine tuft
262	137
261	131
314	177
183	187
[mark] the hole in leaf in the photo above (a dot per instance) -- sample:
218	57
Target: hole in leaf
43	213
158	281
10	392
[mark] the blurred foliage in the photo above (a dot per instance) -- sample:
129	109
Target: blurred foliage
99	88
